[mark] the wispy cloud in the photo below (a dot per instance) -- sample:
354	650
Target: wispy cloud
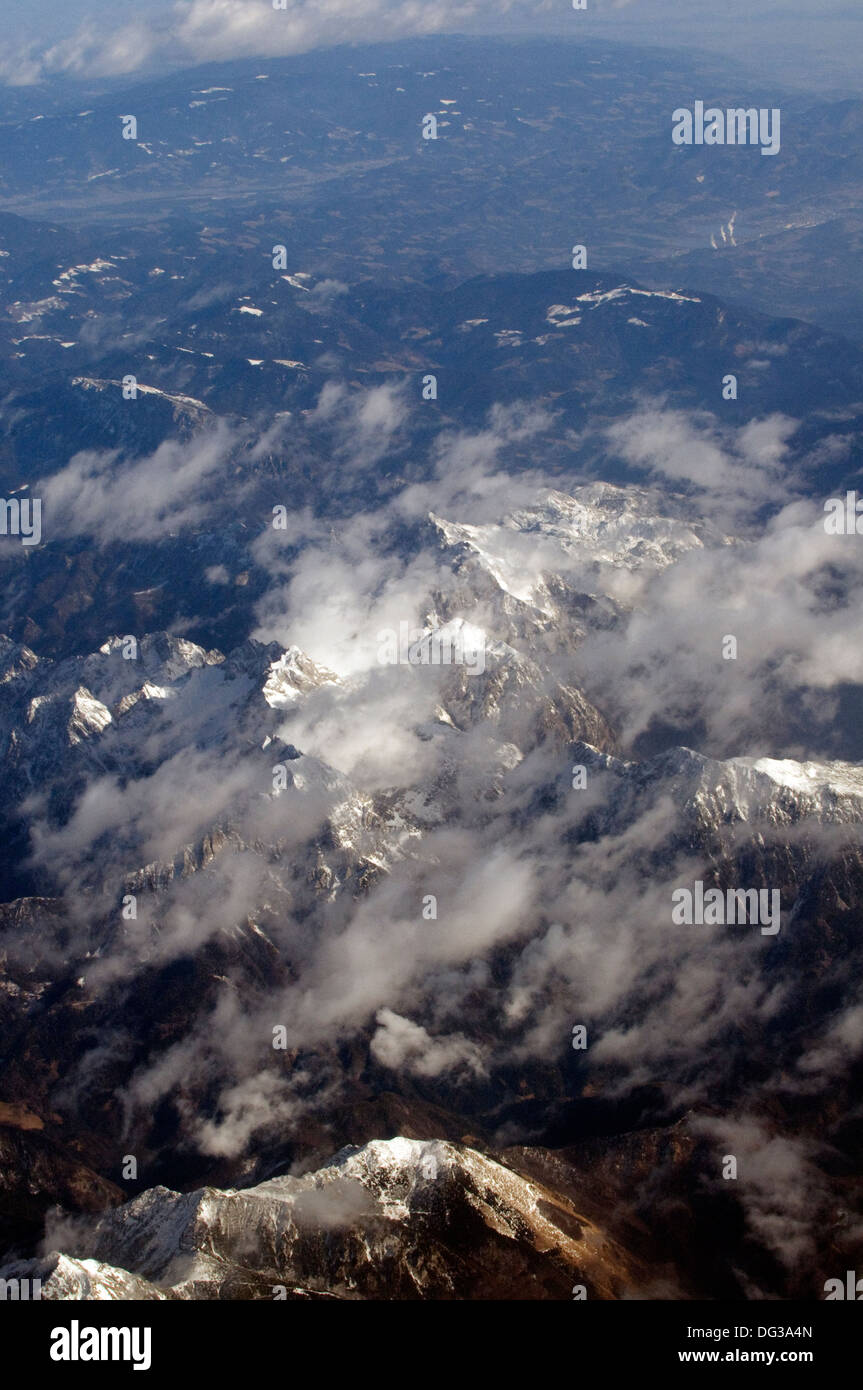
110	499
197	31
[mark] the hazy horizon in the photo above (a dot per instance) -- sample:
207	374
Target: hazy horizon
92	39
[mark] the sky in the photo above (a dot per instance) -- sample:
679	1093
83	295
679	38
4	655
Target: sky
804	44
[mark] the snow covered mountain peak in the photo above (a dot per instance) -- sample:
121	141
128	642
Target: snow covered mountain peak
399	1217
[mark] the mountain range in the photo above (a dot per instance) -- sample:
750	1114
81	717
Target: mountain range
328	970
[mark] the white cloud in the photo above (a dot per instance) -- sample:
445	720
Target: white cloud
401	1044
198	31
97	495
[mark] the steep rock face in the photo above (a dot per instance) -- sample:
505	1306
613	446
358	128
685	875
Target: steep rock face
145	703
199	878
716	796
597	523
521	705
779	823
37	1172
89	997
61	1278
548	572
396	1219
